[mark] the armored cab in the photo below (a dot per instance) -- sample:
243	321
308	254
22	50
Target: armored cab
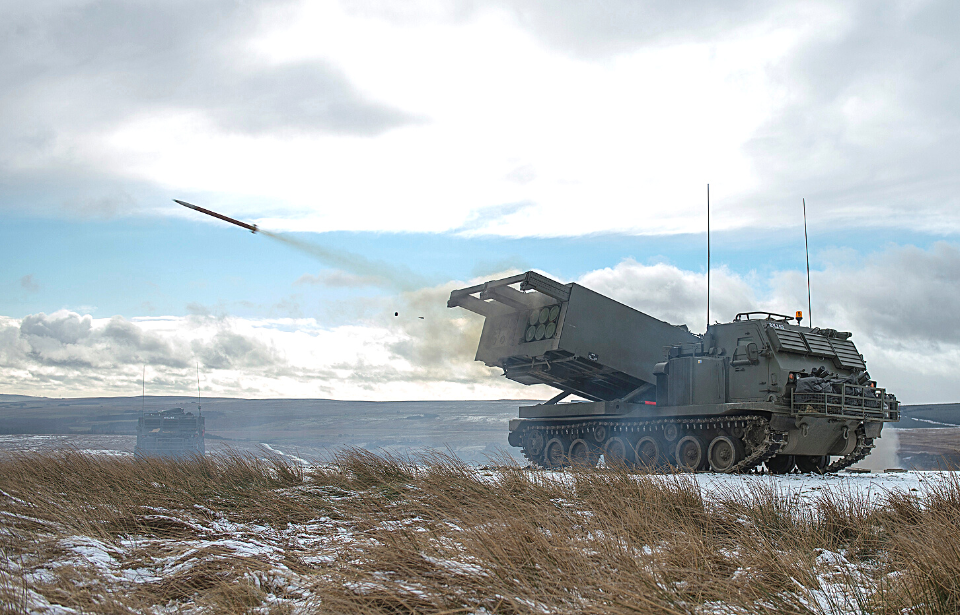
170	433
759	390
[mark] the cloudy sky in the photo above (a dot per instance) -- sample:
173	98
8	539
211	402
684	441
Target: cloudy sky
400	150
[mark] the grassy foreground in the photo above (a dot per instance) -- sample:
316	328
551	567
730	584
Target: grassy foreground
375	534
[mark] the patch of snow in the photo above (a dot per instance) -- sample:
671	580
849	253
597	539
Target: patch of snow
913	418
282	454
12	497
38	604
829	558
21	517
455	567
105	452
96	553
805	488
396	525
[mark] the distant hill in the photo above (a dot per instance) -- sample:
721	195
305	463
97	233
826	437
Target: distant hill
470	428
929	416
233	417
4	397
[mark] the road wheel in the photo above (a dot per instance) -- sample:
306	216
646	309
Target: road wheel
581	454
555	454
690	454
780	464
812	464
724	453
615	452
600	433
533	442
647	452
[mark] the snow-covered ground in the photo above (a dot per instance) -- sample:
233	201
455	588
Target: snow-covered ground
259	551
280	562
870	487
269	554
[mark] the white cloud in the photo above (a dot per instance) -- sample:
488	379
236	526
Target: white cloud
597	138
900	305
672	294
443	116
394	358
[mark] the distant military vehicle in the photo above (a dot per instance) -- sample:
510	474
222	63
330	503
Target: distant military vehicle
758	390
170	433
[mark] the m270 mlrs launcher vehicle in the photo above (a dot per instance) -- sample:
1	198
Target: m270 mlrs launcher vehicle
758	390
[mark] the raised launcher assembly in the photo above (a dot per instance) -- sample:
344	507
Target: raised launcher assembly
170	433
758	390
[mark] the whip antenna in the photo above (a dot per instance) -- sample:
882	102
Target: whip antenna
708	256
143	389
198	387
806	247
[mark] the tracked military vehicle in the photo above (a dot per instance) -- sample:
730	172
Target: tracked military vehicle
759	391
170	433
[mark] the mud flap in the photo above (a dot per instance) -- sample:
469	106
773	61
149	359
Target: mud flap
872	429
514	439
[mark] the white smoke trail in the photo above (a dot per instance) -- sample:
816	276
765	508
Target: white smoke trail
384	274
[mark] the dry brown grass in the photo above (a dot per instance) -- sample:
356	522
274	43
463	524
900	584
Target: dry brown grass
369	533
